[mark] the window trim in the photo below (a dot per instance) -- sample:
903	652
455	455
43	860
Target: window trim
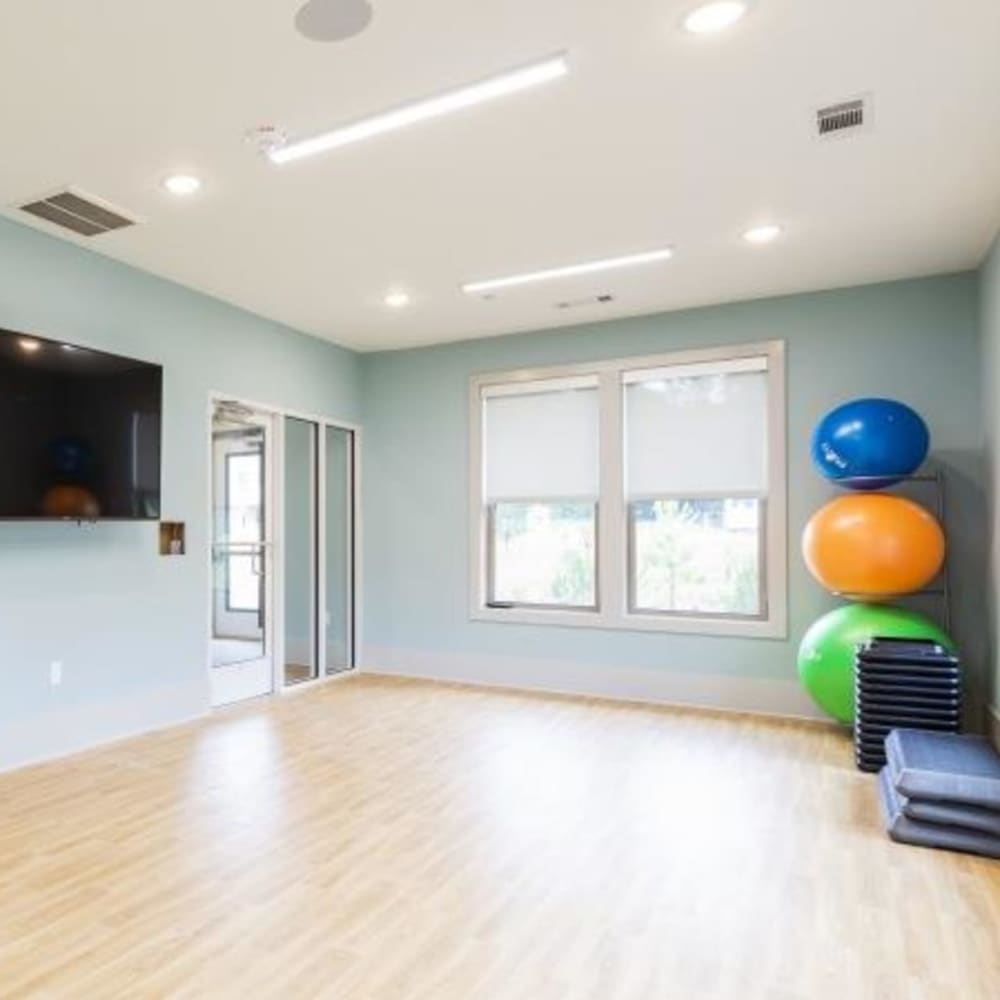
612	508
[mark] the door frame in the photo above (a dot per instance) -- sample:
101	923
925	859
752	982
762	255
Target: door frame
276	549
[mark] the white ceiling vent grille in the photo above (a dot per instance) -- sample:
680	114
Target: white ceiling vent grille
82	213
845	118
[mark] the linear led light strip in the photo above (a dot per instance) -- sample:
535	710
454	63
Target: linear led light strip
433	107
590	267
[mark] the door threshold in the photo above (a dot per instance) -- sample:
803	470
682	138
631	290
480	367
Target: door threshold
318	682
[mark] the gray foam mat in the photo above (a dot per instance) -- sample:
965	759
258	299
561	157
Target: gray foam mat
953	814
922	834
944	767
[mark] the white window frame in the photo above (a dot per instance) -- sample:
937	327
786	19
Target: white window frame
612	507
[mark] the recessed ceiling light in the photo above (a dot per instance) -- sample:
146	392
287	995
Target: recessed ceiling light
69	348
433	107
571	271
762	234
28	345
397	300
716	16
182	184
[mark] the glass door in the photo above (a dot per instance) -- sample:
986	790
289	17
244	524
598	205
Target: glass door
241	642
317	551
338	555
283	551
300	545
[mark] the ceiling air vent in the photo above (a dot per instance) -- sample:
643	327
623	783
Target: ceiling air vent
591	300
846	118
82	213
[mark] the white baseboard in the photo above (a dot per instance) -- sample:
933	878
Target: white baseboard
70	729
759	696
993	715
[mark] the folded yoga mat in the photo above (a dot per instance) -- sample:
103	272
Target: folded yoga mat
953	814
944	767
912	831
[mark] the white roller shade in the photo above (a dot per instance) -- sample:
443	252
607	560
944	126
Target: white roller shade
696	430
542	440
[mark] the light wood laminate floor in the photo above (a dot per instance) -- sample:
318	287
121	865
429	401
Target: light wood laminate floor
389	840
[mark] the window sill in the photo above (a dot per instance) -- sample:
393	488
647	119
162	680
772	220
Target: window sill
773	628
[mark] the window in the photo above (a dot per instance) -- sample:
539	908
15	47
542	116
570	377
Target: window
644	493
696	483
541	486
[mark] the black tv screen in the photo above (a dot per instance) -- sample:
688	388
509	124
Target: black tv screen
79	432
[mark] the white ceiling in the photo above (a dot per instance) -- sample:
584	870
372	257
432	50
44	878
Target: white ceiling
656	137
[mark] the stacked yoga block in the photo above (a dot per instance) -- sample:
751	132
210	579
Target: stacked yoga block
942	790
902	684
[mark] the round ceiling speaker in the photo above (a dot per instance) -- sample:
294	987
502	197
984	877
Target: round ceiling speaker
333	20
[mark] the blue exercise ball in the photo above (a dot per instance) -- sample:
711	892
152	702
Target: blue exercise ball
868	444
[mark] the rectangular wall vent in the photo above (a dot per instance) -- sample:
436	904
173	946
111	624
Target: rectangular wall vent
846	117
79	212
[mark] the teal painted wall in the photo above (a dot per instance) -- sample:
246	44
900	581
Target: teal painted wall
989	288
129	626
915	340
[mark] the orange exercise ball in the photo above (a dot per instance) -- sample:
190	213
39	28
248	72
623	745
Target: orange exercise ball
873	546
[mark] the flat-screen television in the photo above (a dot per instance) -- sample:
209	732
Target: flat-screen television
79	432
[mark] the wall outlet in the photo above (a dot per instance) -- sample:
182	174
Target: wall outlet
55	673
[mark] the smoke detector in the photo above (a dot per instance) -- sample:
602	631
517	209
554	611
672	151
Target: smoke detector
265	138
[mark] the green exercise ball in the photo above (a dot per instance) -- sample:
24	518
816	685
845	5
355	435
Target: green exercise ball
826	656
